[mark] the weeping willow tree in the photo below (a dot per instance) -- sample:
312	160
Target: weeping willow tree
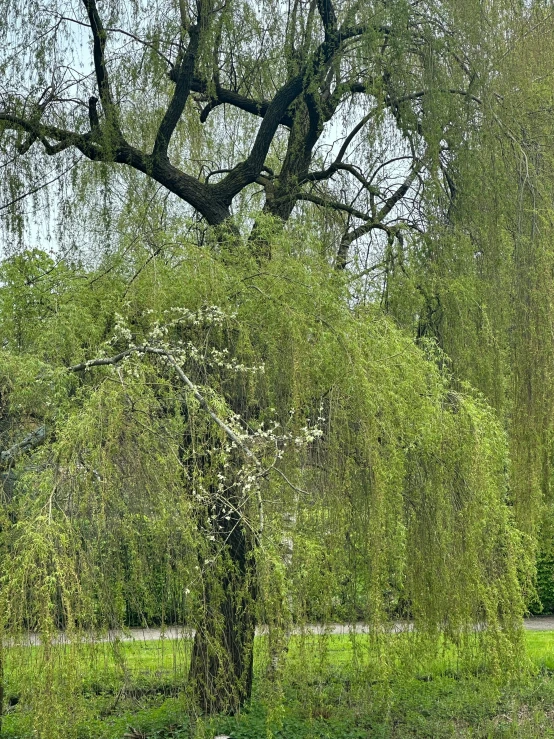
205	408
196	442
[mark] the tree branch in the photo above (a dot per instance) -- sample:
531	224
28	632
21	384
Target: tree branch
93	115
328	17
337	166
37	188
111	29
184	77
247	171
400	192
334	205
349	238
186	187
9	457
42	132
99	44
377	221
146	349
225	96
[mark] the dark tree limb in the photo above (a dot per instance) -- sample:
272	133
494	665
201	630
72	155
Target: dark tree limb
349	238
201	196
43	132
303	104
100	68
224	96
214	103
93	115
326	174
247	171
9	457
328	17
184	77
334	205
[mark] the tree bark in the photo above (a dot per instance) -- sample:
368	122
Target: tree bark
222	661
1	685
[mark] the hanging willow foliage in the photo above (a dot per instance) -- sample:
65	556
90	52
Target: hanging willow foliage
480	282
360	485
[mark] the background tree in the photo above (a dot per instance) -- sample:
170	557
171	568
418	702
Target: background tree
481	278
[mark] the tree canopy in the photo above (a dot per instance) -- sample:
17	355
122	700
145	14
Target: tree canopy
388	487
349	107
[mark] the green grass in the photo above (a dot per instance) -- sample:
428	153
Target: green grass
322	696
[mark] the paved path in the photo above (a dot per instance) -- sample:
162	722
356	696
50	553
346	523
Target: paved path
539	623
536	623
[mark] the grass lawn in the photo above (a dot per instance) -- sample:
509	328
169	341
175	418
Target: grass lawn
322	696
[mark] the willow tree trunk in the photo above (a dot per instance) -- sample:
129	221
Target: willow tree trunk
1	685
223	652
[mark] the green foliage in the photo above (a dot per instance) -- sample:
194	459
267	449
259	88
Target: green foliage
387	488
479	281
431	698
231	438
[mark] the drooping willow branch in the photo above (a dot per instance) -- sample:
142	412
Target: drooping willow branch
36	438
147	349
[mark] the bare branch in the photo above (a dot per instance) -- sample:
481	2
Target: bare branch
352	135
333	204
123	32
247	171
376	222
400	192
188	188
326	174
93	114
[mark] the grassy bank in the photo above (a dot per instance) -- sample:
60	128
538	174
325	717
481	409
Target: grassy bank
324	694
